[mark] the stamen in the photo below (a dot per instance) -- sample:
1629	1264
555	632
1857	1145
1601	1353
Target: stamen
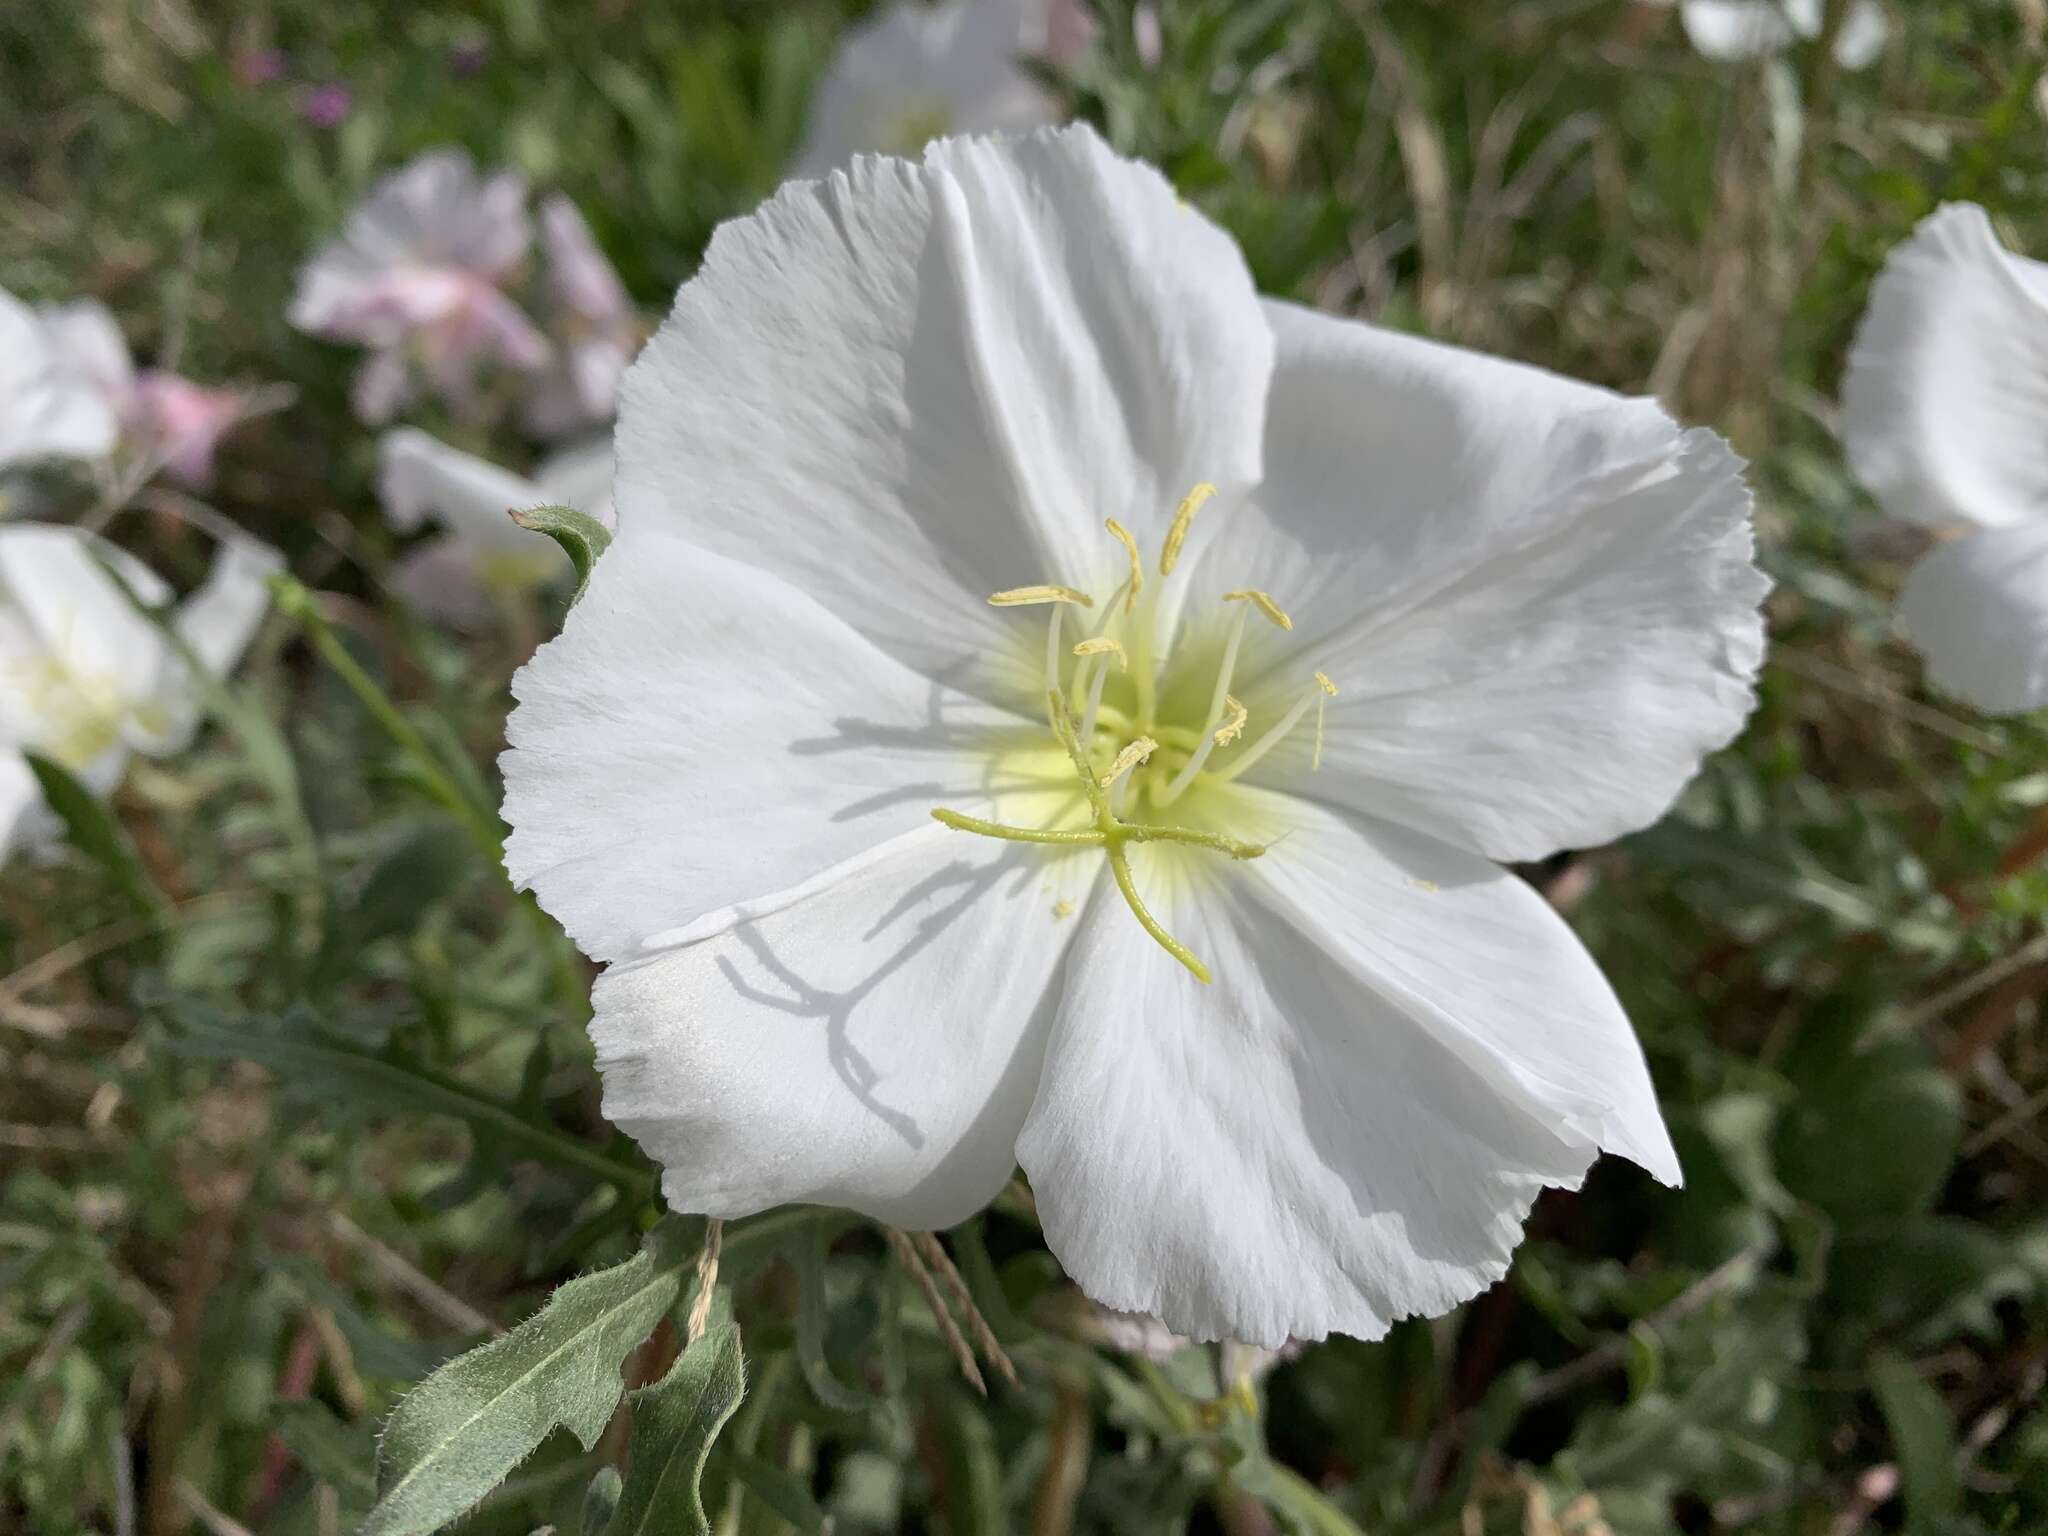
1137	581
1315	761
1232	728
1267	606
1018	597
1328	687
1177	534
1219	700
1103	645
1132	755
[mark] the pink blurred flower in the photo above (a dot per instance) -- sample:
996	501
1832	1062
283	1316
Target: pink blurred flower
596	329
415	275
324	106
259	66
172	422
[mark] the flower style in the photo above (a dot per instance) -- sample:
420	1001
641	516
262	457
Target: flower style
168	421
1731	30
1045	706
917	72
597	330
85	679
482	552
1945	418
416	275
47	408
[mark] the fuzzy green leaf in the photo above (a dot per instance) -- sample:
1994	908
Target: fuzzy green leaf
1926	1441
582	537
95	833
674	1423
458	1433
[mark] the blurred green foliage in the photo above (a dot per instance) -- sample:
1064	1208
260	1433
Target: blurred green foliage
298	1103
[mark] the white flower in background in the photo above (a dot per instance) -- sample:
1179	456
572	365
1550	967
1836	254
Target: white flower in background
916	72
47	409
944	475
1945	417
416	275
596	328
481	551
167	420
87	681
1730	30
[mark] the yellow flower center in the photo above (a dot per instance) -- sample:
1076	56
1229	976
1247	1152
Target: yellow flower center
1143	736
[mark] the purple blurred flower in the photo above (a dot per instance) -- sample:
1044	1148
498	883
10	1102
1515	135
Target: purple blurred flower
468	59
324	106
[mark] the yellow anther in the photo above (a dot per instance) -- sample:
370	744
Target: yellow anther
1177	535
1267	606
1315	762
1232	728
1018	597
1062	908
1123	537
1132	755
1102	645
1328	687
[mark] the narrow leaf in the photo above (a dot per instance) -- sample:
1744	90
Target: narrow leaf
674	1423
582	537
1926	1441
96	834
813	1315
600	1499
458	1433
781	1491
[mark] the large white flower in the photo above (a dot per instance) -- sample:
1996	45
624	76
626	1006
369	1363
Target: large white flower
48	409
916	72
1730	30
481	551
1945	417
416	275
1279	1045
87	681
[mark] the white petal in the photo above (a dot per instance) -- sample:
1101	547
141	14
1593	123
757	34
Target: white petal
1864	33
701	734
909	386
874	1045
45	412
421	477
915	72
87	347
1536	598
1947	387
21	804
1349	1126
1977	609
1737	29
54	579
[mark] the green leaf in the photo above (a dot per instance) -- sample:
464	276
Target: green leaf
600	1499
429	865
582	537
813	1314
1926	1441
782	1492
457	1434
95	833
674	1423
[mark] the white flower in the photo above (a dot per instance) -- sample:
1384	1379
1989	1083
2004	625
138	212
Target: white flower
1730	30
416	275
916	72
596	326
85	680
48	409
482	550
170	421
1945	418
887	396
